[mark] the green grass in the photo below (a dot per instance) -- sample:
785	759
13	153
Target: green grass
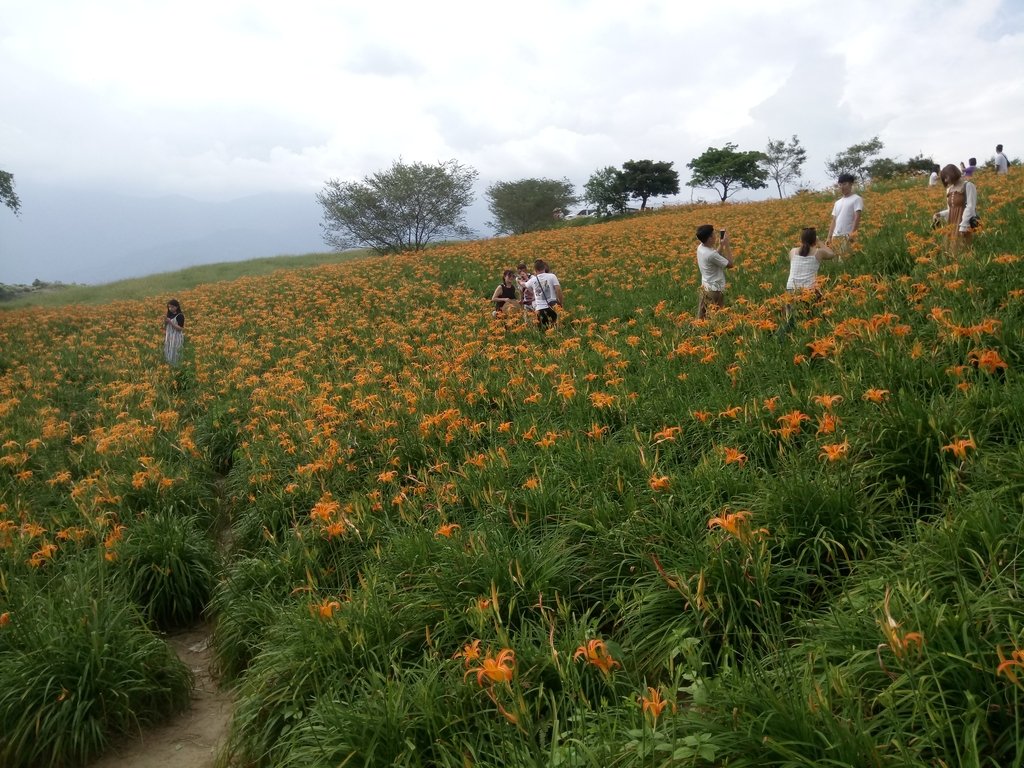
171	283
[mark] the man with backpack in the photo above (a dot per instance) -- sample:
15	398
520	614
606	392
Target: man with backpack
547	293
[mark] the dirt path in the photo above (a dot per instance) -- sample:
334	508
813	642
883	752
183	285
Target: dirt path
191	739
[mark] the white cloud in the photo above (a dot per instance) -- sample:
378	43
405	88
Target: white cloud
219	99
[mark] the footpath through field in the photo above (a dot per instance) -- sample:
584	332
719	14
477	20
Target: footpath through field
193	738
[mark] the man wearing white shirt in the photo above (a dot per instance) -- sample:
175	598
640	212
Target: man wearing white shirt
1002	164
547	293
846	215
714	256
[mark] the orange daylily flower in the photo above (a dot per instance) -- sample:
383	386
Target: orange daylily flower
827	424
659	483
470	652
959	447
495	669
653	704
793	419
988	360
827	401
1007	665
327	608
736	523
822	347
701	416
668	433
447	530
596	431
899	644
596	653
875	395
734	456
731	413
835	451
5	619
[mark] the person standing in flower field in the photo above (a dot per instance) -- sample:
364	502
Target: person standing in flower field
547	293
1002	164
846	215
803	266
174	332
961	212
714	256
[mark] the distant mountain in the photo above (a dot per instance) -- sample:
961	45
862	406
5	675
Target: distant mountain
95	237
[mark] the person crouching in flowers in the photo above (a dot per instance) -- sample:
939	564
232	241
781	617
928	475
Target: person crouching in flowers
714	256
961	212
174	332
504	297
803	265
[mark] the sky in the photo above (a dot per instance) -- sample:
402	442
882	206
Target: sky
216	101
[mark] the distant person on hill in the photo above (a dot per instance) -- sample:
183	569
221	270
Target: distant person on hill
505	294
961	212
714	256
969	169
803	264
174	332
547	294
933	180
846	215
525	294
1002	164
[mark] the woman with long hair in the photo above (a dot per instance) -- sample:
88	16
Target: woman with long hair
174	332
804	261
961	212
504	296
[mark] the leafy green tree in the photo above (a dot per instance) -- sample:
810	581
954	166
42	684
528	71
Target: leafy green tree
890	168
528	204
606	190
784	162
885	168
644	179
920	164
7	194
403	208
726	170
855	159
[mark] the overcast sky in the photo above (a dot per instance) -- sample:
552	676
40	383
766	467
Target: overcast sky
219	99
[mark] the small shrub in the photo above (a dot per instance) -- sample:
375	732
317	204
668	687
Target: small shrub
167	565
78	666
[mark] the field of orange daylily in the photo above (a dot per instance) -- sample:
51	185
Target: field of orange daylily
448	539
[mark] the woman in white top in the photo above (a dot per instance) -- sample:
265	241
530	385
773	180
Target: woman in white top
804	262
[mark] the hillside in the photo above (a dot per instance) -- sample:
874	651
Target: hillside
448	540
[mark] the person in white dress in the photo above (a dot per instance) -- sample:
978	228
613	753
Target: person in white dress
174	332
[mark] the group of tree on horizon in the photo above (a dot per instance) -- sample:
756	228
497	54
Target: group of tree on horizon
411	205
